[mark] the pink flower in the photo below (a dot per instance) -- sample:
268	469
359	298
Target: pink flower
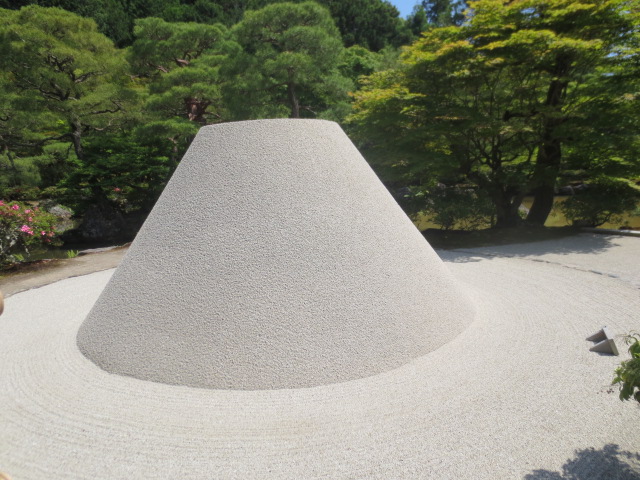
43	233
116	189
30	219
26	229
1	203
27	211
15	207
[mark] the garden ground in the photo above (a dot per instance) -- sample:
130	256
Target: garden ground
518	393
43	272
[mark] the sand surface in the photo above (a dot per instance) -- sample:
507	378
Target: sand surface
60	269
517	395
615	256
287	265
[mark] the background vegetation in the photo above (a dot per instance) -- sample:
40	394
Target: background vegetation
462	109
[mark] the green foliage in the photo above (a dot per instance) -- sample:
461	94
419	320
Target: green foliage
117	169
372	24
459	207
72	253
417	21
514	99
580	50
441	115
21	227
24	123
444	13
604	201
288	63
21	193
628	373
63	78
496	101
53	162
182	62
161	46
185	59
115	18
18	171
53	193
357	61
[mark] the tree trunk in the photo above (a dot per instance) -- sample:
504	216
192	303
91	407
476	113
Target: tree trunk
545	173
293	100
507	210
174	152
76	138
544	177
506	199
196	110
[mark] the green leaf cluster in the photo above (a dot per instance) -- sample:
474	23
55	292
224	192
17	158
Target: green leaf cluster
628	373
288	63
21	227
515	98
373	24
605	201
78	113
519	97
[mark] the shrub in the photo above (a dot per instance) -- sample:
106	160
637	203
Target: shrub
463	208
628	373
604	201
22	227
23	192
53	193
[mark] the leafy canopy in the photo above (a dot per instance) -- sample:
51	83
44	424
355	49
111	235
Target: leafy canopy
504	101
61	80
288	63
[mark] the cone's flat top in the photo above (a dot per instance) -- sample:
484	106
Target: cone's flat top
274	258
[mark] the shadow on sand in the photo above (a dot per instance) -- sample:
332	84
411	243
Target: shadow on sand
578	244
607	463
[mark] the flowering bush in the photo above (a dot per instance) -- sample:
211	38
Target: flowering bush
21	227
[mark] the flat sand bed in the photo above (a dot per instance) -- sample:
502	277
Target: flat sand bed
56	270
517	395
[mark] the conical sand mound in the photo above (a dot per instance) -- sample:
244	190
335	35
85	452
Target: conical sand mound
274	258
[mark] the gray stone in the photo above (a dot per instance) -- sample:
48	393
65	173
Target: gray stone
605	346
605	342
65	221
600	335
57	210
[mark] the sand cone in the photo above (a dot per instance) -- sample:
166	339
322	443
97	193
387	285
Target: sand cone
274	258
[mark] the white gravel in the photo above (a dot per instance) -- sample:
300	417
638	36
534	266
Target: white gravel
515	395
616	256
288	264
399	381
